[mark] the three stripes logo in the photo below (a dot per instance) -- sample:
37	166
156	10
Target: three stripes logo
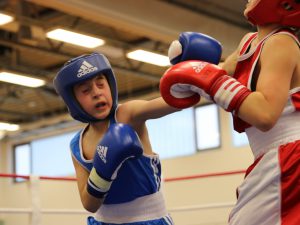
86	68
199	67
102	151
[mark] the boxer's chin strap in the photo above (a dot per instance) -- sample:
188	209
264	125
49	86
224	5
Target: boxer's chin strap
112	116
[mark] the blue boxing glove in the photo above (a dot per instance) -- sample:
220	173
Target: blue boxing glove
195	46
118	144
190	46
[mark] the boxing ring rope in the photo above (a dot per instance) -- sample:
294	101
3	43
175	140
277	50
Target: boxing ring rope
27	177
36	211
197	176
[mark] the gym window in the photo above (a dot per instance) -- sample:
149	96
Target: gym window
238	139
45	157
173	135
22	160
179	134
207	127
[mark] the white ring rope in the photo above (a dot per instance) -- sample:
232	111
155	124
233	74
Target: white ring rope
78	211
200	207
44	211
36	210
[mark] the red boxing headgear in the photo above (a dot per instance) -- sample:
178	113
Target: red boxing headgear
283	12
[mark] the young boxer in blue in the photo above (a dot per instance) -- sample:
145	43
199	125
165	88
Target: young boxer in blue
118	174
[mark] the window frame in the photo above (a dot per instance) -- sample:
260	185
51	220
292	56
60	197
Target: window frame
16	179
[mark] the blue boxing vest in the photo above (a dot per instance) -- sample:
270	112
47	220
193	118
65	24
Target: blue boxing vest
136	178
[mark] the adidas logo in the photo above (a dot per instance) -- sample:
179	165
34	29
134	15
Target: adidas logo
86	68
199	67
102	151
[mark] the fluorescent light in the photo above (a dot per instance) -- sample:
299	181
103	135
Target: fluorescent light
4	19
21	79
75	38
9	126
149	57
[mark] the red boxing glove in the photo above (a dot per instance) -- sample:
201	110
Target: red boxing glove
184	83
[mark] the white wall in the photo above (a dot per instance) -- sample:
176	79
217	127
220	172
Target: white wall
204	191
188	193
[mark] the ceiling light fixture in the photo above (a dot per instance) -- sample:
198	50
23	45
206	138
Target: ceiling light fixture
149	57
21	79
9	126
75	38
4	19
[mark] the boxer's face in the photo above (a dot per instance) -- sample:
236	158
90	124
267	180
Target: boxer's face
94	96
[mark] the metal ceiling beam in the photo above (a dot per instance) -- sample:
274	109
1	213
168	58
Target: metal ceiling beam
15	113
65	56
156	20
16	45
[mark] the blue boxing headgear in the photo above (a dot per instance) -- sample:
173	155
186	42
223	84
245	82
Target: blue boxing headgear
78	70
